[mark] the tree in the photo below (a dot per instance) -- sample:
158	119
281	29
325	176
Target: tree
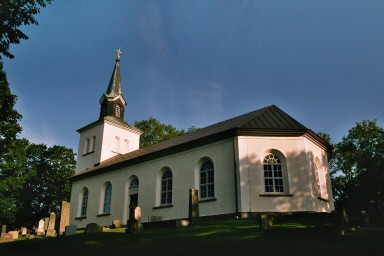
47	182
9	117
13	15
358	171
12	179
155	132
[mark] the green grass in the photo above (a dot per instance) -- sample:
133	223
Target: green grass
226	237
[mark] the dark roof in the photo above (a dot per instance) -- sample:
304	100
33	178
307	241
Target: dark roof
114	86
268	121
110	119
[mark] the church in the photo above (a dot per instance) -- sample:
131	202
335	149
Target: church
262	161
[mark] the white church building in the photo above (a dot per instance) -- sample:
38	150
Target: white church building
262	161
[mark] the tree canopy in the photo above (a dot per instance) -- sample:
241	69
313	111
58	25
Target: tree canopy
155	132
358	168
13	15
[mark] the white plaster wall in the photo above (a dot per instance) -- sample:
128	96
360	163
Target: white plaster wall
85	161
105	134
184	168
299	196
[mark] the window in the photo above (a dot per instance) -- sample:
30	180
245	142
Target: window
107	198
86	146
84	202
126	145
166	188
317	180
93	142
273	174
207	180
117	144
117	111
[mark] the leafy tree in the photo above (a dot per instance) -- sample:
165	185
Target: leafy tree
13	15
358	171
47	183
12	179
9	117
155	132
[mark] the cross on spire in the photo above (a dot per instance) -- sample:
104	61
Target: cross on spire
118	53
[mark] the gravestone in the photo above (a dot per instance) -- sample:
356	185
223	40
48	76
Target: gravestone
40	228
64	219
70	230
92	228
23	231
138	216
46	223
193	205
116	223
4	229
14	234
6	237
132	225
51	226
267	221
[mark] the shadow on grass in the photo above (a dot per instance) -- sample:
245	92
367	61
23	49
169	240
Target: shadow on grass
226	237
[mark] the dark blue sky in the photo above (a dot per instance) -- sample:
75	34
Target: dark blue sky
200	62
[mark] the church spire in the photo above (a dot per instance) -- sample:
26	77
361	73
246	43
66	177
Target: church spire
112	102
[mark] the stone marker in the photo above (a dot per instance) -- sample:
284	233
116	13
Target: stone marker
51	226
92	228
6	237
193	205
70	230
116	223
138	216
46	223
132	225
267	221
64	219
23	231
40	228
4	229
14	234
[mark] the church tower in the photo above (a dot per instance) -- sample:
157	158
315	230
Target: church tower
110	135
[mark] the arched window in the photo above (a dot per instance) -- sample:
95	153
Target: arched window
93	142
126	146
317	180
117	144
107	198
207	180
86	146
117	110
84	202
166	188
273	174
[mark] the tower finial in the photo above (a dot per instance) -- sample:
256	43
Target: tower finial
118	53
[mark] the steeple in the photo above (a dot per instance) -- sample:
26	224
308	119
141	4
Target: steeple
113	102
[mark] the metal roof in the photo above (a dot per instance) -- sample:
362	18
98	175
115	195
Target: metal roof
268	121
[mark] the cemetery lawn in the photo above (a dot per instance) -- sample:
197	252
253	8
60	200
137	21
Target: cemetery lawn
224	237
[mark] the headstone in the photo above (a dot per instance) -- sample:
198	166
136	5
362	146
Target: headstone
51	226
64	219
132	225
46	223
92	228
116	223
364	218
23	231
138	216
14	234
193	205
4	229
6	237
70	230
40	228
267	221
